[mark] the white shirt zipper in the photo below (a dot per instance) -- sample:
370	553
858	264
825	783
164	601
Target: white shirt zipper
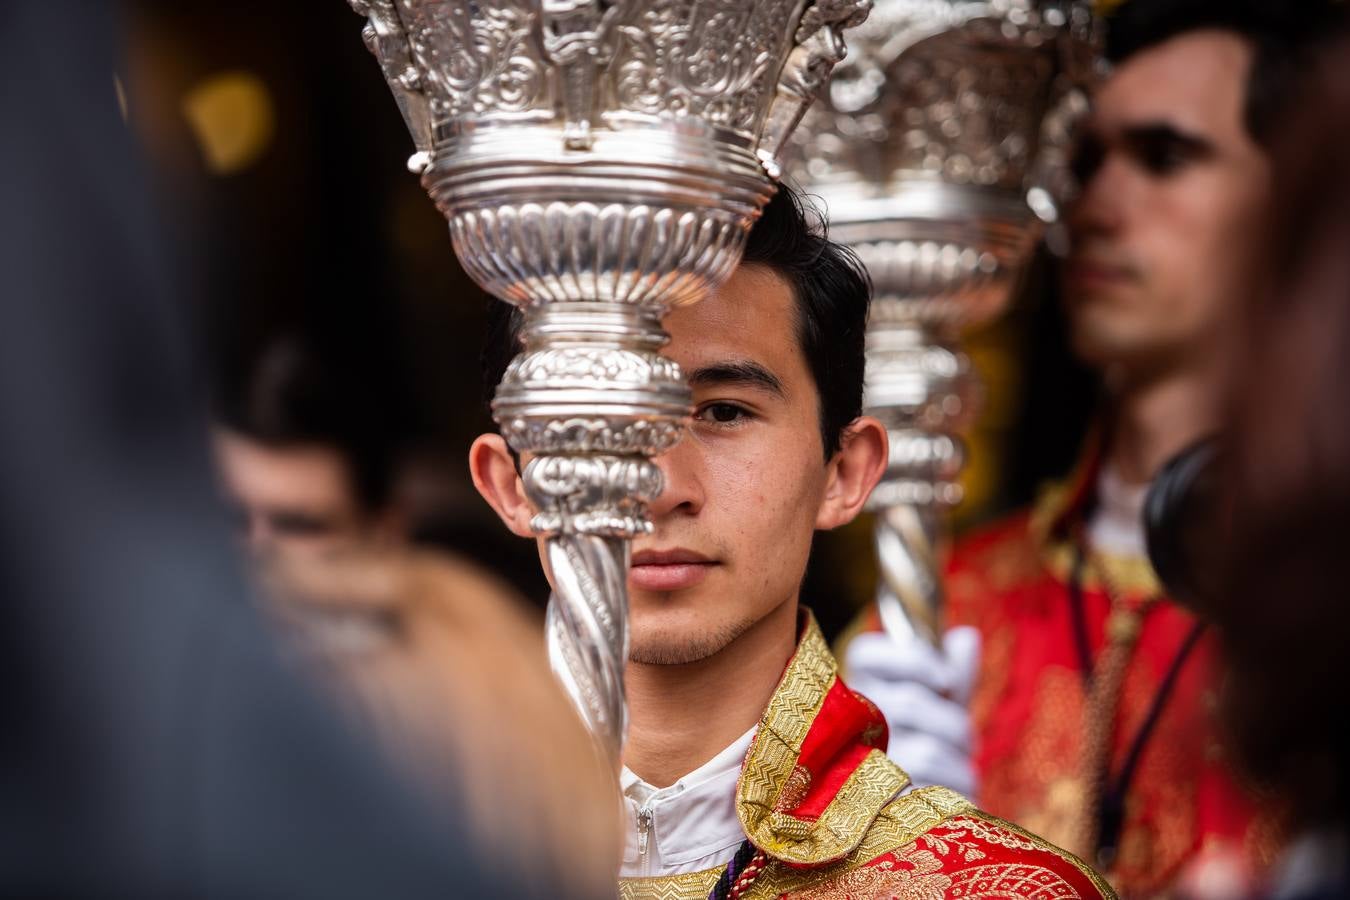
644	829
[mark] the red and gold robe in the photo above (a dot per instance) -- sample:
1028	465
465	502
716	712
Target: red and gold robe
819	797
1012	582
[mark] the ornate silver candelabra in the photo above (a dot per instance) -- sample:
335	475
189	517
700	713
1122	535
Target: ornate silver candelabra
939	149
599	162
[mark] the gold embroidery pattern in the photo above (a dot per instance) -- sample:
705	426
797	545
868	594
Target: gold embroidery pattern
1008	563
788	718
994	835
991	681
922	880
917	873
1052	501
903	830
946	801
899	824
1038	785
844	823
865	822
767	780
690	886
1131	574
1092	875
798	783
1010	880
1162	827
907	818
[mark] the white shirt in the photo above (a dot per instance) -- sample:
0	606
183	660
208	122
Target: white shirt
1117	524
690	826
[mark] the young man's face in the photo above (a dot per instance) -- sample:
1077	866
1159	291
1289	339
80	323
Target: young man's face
1174	190
744	490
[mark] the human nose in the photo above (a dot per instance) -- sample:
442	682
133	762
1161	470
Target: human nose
258	533
1099	208
682	470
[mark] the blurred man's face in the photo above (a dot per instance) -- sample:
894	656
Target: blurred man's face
1174	190
293	499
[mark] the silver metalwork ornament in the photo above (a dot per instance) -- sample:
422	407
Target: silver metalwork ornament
599	162
939	151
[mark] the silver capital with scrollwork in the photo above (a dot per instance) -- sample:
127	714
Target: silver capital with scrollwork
939	151
599	162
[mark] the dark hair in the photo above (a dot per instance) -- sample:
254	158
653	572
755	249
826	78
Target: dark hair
1280	32
830	285
287	392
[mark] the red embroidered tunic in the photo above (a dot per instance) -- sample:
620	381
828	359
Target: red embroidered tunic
820	799
1013	582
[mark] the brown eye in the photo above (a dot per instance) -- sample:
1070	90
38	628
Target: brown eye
301	524
1164	159
1087	158
722	413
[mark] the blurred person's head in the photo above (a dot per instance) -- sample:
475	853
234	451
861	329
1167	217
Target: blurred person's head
409	639
1284	614
777	449
307	452
1173	169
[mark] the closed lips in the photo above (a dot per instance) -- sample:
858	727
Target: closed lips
668	570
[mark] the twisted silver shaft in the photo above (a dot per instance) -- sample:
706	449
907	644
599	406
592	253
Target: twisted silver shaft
591	480
919	385
909	592
587	629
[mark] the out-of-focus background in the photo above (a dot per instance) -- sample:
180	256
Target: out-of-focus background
280	161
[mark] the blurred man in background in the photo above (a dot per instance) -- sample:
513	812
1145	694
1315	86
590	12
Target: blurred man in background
424	647
308	451
1092	707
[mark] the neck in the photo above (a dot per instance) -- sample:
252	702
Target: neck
1156	419
681	716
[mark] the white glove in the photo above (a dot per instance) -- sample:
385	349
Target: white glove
924	694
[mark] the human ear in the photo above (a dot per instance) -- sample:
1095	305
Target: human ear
853	471
494	475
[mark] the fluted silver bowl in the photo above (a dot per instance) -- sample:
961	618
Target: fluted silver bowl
939	152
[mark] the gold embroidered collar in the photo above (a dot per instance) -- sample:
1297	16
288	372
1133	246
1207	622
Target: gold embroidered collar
1055	518
773	781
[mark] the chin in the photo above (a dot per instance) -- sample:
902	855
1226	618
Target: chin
1131	354
675	638
1102	340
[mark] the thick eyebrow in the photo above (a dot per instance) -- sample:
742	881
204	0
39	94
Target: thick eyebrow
738	372
1164	134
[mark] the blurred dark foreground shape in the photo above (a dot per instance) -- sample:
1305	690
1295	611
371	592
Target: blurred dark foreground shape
153	744
1283	604
1251	529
